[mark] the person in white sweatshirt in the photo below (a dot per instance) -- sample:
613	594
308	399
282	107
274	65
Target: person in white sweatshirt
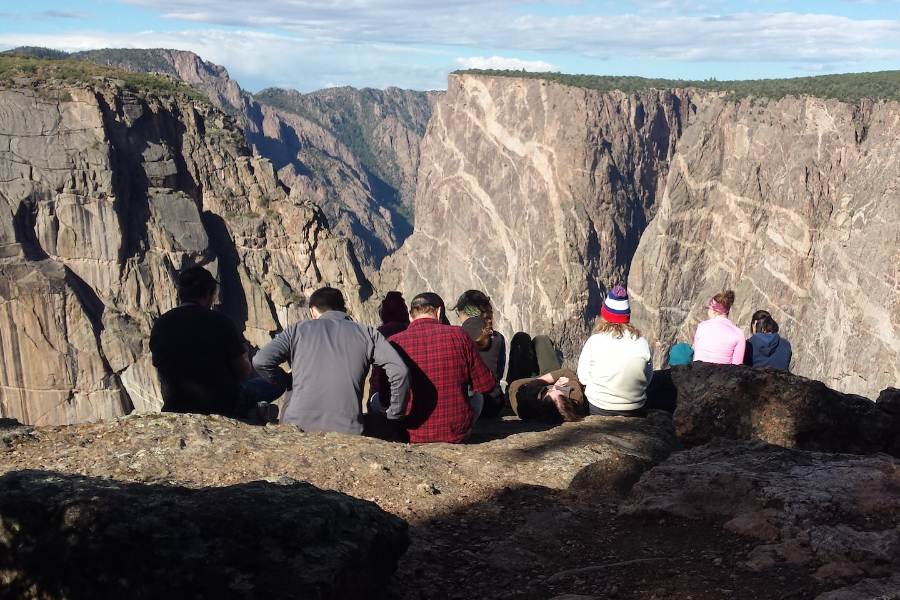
615	366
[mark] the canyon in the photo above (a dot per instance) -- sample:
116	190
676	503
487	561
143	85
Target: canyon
540	193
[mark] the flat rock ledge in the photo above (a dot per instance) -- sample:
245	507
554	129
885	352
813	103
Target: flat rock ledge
71	536
838	514
158	504
604	454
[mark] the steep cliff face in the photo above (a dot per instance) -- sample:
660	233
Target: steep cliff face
537	193
355	152
105	195
383	129
794	204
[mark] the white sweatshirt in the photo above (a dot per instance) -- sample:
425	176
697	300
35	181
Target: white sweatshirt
615	372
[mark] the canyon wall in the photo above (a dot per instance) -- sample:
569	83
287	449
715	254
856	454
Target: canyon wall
538	193
354	152
105	193
794	204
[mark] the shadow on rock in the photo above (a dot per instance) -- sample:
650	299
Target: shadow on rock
69	536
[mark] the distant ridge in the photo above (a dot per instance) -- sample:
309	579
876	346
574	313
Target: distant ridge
847	87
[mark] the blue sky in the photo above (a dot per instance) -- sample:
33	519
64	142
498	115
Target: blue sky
310	44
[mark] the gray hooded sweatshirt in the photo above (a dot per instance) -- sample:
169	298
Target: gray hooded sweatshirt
329	359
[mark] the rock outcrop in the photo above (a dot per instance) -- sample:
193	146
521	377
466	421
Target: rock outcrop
537	193
407	480
68	536
793	204
354	152
773	406
105	193
838	514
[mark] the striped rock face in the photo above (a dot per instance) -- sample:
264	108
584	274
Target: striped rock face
545	196
794	205
537	193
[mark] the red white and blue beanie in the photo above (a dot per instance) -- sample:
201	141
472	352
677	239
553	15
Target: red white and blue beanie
615	308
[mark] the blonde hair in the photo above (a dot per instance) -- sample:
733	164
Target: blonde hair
617	330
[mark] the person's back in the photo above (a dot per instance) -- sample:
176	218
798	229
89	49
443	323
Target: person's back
443	364
198	352
766	348
615	366
494	352
330	356
717	339
615	371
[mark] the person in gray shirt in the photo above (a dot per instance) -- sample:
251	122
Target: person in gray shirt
329	357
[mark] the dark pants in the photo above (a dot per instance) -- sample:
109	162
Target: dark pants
639	412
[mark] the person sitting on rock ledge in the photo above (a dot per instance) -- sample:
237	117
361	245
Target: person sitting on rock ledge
615	365
551	398
766	348
476	315
199	353
329	357
394	316
444	365
718	340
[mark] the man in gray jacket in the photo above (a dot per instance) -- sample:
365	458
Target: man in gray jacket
329	357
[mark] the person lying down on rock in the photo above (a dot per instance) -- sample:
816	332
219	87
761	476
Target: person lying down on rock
551	398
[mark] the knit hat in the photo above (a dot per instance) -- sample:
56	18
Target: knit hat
681	354
615	308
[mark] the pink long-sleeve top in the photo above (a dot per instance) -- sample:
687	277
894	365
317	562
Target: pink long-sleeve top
719	341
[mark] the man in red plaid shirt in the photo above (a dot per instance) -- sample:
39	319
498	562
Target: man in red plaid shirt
443	366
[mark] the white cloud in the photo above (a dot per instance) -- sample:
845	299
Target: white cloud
695	30
500	62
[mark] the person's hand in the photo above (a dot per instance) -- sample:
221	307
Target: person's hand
562	381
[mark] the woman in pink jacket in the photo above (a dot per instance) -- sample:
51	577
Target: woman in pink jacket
718	340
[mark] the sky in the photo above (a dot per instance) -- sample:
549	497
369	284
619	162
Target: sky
311	44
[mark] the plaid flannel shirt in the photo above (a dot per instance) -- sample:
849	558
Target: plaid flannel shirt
443	364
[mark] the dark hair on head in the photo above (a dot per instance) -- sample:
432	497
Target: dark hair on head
767	325
327	298
475	301
393	309
758	316
726	299
426	302
195	283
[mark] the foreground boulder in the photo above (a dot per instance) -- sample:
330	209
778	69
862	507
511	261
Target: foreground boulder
838	514
777	407
67	536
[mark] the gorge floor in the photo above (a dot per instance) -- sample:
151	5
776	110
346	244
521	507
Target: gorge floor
536	543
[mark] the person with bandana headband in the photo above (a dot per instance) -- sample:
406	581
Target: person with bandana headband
718	340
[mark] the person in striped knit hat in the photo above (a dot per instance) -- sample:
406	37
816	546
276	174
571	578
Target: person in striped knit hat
615	365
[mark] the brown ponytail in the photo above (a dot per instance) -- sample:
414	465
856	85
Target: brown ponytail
726	299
